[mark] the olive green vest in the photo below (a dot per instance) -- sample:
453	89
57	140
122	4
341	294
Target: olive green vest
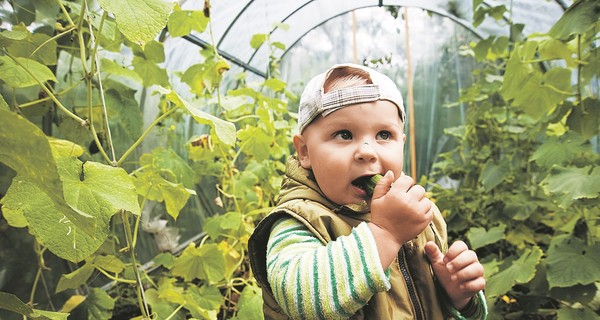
413	294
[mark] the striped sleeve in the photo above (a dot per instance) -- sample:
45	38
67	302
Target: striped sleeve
311	280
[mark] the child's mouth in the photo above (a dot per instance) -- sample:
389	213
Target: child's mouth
367	183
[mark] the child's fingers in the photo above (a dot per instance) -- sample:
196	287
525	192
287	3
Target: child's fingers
403	183
473	286
469	273
455	249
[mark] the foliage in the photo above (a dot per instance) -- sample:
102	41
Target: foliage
70	126
527	167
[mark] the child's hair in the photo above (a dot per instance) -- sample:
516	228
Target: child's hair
345	77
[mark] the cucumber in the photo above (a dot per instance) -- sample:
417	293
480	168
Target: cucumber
368	184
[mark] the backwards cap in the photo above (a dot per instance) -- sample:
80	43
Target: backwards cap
314	101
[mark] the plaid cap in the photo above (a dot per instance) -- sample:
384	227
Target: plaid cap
314	101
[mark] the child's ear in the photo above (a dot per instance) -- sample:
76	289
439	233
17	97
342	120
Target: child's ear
302	150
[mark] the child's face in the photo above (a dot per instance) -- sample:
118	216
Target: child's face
358	140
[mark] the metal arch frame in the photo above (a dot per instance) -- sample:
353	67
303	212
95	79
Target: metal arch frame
246	65
442	13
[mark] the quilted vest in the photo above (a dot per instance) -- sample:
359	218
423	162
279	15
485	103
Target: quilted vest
413	293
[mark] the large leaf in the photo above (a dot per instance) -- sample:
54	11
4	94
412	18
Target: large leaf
204	263
139	20
171	166
150	72
39	47
51	226
182	22
75	279
542	93
225	130
573	183
521	270
99	304
15	76
518	70
564	250
479	237
250	304
560	150
492	174
585	118
95	187
13	303
579	17
25	149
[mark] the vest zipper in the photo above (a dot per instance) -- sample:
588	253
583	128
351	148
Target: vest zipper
412	291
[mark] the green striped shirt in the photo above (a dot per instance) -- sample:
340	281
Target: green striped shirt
310	280
314	281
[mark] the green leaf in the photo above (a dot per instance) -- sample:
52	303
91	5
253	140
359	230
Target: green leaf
167	161
25	149
99	304
113	68
250	304
9	36
150	72
542	93
563	252
182	22
164	259
39	47
99	188
585	118
582	313
577	19
207	297
573	183
162	308
204	263
75	279
560	150
518	71
520	271
17	74
257	40
258	142
3	105
175	197
225	130
51	226
109	263
129	16
550	49
479	237
275	84
13	303
154	51
492	174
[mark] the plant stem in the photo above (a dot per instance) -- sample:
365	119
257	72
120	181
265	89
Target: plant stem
175	312
129	238
146	132
115	279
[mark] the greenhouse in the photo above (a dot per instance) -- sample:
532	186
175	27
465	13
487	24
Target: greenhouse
145	146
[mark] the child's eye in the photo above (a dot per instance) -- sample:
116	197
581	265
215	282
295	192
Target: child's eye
343	134
384	135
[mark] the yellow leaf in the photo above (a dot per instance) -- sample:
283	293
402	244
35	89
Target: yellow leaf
72	303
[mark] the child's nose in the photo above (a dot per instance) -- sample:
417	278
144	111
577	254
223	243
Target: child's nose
365	152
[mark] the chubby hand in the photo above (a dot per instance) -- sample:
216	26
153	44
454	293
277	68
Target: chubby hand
400	207
458	271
